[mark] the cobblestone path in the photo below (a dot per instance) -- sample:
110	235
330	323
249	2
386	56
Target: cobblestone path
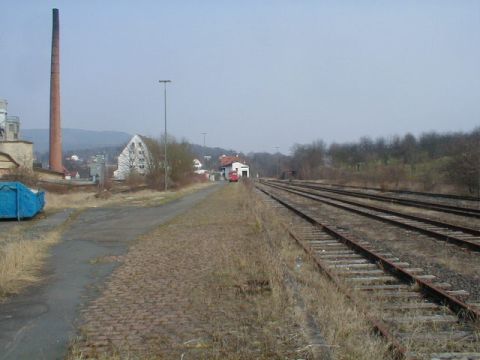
150	303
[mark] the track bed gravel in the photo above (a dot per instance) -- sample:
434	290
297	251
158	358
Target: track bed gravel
449	263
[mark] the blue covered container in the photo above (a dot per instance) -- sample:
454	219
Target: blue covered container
19	202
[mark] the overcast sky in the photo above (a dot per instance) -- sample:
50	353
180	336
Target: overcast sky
252	74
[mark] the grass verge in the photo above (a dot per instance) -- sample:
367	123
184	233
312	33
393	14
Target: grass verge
55	201
344	327
22	257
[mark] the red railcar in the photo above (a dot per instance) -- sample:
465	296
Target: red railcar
233	176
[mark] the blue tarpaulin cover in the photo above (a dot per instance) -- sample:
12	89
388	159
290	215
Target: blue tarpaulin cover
18	202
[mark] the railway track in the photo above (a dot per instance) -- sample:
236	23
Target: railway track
450	209
420	317
465	237
416	193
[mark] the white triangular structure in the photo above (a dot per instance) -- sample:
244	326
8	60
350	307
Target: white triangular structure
133	159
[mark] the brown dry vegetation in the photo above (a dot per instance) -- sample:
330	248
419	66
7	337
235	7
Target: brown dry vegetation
251	299
55	201
22	257
343	325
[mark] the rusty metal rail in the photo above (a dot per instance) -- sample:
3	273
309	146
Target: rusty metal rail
450	209
416	193
383	263
459	235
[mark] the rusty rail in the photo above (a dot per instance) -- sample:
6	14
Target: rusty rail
474	246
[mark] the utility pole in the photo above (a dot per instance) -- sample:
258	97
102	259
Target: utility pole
204	160
478	164
278	160
165	163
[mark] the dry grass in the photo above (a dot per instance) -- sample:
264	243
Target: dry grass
254	314
21	260
55	201
344	327
22	257
243	302
75	353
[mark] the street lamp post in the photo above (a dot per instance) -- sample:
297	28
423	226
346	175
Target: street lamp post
165	164
278	160
204	161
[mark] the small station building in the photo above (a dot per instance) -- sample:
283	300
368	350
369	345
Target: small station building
233	163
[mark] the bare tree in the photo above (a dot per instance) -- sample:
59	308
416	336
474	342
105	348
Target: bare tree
180	163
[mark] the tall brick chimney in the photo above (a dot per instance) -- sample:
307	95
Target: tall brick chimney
55	159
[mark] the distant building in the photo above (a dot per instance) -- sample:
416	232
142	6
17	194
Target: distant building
134	158
197	165
97	168
9	125
233	163
15	153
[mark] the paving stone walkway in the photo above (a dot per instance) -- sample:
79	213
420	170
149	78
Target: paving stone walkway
150	304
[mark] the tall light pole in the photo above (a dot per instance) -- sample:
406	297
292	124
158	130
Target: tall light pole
165	164
204	134
278	160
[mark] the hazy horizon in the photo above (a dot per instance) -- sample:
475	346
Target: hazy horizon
252	75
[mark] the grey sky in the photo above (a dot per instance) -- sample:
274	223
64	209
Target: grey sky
252	74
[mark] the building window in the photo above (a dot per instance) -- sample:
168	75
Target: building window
11	127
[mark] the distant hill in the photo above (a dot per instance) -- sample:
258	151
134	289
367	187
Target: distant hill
75	139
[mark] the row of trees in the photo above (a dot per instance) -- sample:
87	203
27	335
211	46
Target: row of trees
407	149
432	159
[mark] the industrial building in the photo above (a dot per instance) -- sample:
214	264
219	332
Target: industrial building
18	154
9	125
14	153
